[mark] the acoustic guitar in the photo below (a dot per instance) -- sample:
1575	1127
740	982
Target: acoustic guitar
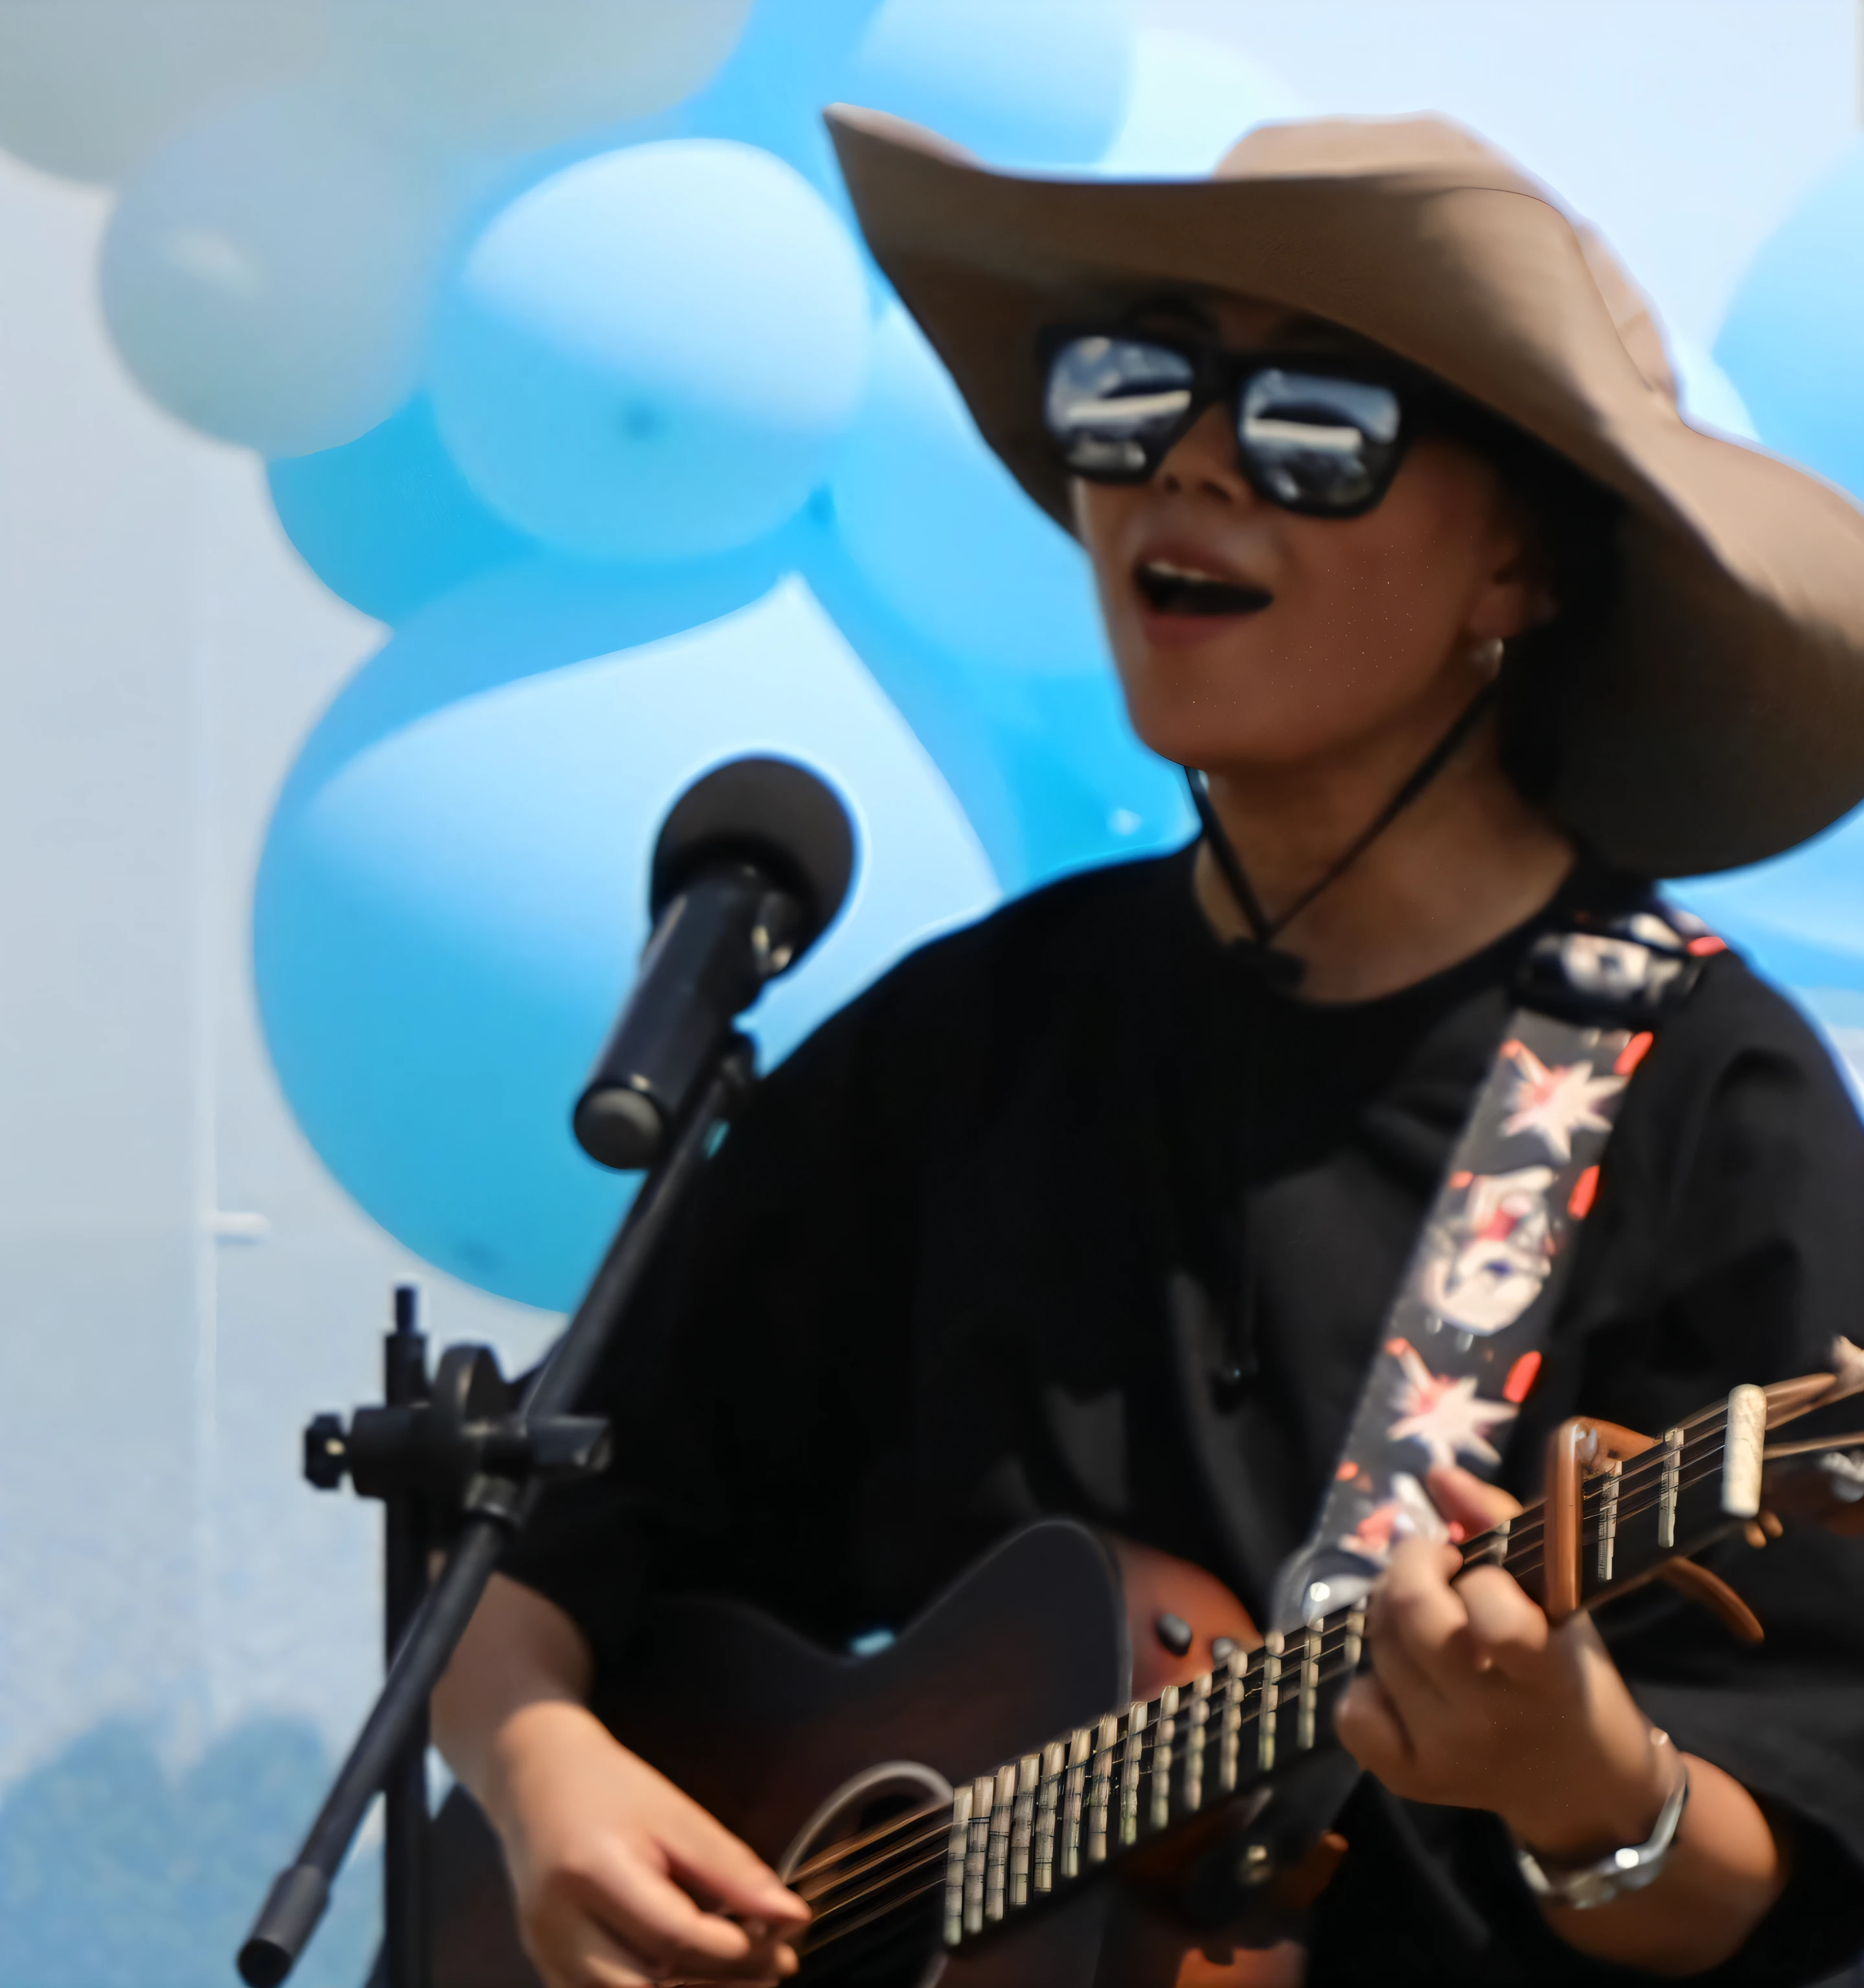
1076	1709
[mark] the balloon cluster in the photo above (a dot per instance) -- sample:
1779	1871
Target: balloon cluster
551	319
1789	343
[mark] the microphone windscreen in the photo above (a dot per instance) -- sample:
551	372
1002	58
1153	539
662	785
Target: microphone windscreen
772	813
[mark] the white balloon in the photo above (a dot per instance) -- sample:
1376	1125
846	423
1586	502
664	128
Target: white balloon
1709	398
1192	99
266	276
89	88
518	74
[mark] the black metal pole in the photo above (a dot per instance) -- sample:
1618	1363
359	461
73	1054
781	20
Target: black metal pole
404	1819
299	1894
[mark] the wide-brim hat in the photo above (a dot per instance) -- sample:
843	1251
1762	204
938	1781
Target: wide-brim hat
1718	717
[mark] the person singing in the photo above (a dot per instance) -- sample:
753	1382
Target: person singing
1096	1207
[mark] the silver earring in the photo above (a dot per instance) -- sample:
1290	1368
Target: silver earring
1487	655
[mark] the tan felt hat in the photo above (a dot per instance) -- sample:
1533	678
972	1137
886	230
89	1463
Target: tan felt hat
1718	717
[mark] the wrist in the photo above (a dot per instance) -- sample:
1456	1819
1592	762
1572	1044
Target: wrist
530	1735
1609	1812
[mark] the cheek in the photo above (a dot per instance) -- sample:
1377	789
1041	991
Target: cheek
1396	585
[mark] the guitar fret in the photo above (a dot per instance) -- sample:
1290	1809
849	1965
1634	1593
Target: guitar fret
1495	1552
1230	1746
1023	1828
996	1864
1355	1631
1310	1683
1074	1798
1055	1758
1162	1756
1133	1761
1269	1711
1672	1490
1200	1722
977	1853
1099	1796
1746	1438
1607	1518
957	1844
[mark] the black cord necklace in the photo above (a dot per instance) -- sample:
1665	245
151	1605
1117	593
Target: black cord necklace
1282	968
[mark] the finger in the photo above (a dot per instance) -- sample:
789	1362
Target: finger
1508	1631
1419	1625
1372	1727
708	1859
1467	1501
647	1913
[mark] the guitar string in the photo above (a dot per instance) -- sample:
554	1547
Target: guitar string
1227	1695
1288	1692
1531	1521
1651	1463
1233	1693
882	1847
1591	1532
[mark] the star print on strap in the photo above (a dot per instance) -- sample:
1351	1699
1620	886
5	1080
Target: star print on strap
1463	1337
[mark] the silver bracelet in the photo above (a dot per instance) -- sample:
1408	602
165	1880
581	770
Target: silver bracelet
1631	1869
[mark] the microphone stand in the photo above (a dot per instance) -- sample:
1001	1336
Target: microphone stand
456	1450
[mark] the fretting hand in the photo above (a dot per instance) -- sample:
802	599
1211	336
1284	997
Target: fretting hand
1475	1700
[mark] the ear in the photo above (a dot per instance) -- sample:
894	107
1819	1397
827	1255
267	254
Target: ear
1515	591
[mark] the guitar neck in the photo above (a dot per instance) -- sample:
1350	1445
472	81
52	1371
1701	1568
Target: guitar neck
1043	1823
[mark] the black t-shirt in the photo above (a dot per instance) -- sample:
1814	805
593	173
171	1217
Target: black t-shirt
1074	1212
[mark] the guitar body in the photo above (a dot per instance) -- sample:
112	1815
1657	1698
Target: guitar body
794	1748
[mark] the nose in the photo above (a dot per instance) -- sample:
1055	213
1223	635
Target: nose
1203	461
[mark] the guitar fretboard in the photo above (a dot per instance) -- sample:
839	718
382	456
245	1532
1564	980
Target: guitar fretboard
1042	1823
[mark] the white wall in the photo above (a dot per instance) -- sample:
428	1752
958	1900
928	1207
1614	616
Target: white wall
162	652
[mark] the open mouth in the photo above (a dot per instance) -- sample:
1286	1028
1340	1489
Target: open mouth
1168	589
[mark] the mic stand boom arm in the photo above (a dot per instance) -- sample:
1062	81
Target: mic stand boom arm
515	1455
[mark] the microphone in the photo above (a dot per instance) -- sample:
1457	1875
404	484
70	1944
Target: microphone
751	867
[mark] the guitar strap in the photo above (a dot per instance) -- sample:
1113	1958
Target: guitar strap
1462	1343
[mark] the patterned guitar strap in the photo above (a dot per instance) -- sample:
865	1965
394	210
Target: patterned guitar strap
1463	1341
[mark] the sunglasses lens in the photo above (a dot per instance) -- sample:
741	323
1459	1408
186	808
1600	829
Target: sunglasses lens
1317	443
1112	405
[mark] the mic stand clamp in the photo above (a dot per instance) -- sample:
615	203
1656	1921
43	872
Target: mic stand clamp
435	1450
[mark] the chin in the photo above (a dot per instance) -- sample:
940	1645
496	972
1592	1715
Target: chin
1195	718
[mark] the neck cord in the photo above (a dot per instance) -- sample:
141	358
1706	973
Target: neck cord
1284	967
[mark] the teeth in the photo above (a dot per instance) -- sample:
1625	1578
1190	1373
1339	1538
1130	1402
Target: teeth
1172	589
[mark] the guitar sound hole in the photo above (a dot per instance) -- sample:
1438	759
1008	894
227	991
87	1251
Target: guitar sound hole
878	1901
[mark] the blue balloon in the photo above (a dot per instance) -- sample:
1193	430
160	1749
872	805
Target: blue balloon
451	900
943	532
1039	82
652	355
1800	917
1791	339
786	66
388	522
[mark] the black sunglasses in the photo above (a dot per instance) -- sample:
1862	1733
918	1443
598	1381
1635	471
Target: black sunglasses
1319	436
